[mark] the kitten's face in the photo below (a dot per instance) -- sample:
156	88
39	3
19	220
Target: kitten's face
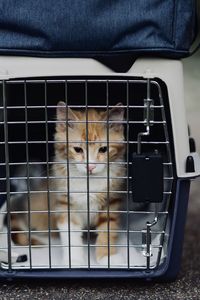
93	139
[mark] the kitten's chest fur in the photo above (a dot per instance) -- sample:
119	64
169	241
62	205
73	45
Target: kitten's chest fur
89	193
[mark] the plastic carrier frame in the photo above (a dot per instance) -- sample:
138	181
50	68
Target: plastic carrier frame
150	235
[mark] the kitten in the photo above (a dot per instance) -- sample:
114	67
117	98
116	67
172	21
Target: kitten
76	198
96	135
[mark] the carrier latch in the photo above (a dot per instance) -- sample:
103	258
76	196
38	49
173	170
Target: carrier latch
147	177
147	168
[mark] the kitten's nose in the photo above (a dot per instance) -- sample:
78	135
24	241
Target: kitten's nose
91	167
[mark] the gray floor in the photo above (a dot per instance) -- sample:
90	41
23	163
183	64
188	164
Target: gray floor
188	284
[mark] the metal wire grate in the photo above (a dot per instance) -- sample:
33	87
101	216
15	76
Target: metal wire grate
28	121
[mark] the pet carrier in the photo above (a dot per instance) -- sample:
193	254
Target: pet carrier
141	114
95	166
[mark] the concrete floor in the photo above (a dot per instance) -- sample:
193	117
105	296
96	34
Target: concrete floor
188	284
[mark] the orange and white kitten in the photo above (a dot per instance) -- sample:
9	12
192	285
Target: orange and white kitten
76	198
74	192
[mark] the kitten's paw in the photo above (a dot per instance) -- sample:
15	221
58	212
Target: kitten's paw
116	260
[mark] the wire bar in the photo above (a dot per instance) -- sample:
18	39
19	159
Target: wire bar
128	178
108	171
48	173
28	174
68	175
7	176
87	166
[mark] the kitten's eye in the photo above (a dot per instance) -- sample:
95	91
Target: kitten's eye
102	150
78	149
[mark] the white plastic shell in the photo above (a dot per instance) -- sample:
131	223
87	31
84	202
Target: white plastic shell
170	71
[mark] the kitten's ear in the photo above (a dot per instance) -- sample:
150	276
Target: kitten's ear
116	114
63	112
